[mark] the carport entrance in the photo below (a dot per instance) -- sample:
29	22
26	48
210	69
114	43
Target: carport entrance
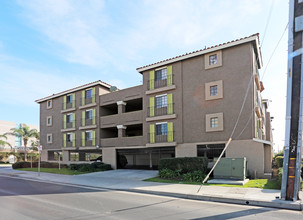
143	158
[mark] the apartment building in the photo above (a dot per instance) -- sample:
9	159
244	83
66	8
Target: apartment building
187	106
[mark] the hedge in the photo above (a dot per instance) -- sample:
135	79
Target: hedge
90	167
184	164
43	164
279	161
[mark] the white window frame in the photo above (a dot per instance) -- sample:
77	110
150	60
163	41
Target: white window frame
49	106
71	135
88	111
161	123
91	135
67	116
51	120
162	106
49	136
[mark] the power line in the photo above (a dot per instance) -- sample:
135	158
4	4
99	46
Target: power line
267	22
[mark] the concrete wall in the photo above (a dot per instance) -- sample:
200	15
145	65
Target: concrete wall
109	156
186	150
254	153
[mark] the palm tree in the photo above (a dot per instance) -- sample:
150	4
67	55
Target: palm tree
25	133
4	142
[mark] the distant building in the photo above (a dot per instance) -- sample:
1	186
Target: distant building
15	142
187	107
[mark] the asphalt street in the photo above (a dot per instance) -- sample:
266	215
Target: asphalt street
27	199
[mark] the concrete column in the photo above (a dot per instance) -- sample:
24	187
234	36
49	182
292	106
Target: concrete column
109	156
121	130
121	107
44	155
81	156
65	156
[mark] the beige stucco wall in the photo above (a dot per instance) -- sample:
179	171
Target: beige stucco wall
109	156
254	153
186	150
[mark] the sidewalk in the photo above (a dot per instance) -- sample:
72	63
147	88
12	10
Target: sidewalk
131	180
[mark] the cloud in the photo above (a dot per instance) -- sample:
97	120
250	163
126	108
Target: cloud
73	25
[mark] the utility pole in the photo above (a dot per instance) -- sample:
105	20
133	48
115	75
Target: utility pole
294	104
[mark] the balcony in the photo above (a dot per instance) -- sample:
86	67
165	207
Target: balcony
121	119
155	84
88	142
88	121
121	142
68	125
87	101
71	143
166	137
167	110
68	105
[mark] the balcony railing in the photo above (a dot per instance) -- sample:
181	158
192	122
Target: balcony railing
154	84
71	143
166	137
88	142
88	121
86	101
68	105
67	125
167	110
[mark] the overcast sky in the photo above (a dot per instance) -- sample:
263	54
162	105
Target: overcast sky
52	45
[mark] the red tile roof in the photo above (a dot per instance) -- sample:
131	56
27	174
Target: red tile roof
193	52
73	89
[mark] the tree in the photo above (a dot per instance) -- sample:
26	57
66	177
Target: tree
4	142
35	143
25	133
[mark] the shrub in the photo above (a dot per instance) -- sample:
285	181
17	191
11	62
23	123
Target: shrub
90	167
185	164
279	161
195	176
43	164
280	172
280	153
170	174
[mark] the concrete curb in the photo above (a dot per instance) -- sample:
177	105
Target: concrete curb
298	206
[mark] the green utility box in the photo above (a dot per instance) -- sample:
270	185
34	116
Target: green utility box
231	168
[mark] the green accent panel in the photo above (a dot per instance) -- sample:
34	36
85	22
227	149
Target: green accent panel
152	106
83	98
94	138
169	75
74	100
152	133
83	138
64	121
83	118
170	107
64	102
64	140
94	116
74	139
74	120
94	95
152	80
170	132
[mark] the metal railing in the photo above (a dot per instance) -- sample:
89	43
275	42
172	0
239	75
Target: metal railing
167	110
165	137
66	125
70	143
88	142
68	105
160	83
88	121
86	101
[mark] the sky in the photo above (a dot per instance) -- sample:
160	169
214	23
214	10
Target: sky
52	45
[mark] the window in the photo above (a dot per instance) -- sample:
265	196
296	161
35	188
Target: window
213	59
69	137
88	135
161	74
69	118
69	98
214	122
161	101
49	138
49	121
89	114
49	104
88	93
213	90
161	129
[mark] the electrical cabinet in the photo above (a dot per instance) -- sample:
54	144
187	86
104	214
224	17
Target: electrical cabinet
231	168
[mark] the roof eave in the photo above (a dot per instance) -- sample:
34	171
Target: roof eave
253	38
72	90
